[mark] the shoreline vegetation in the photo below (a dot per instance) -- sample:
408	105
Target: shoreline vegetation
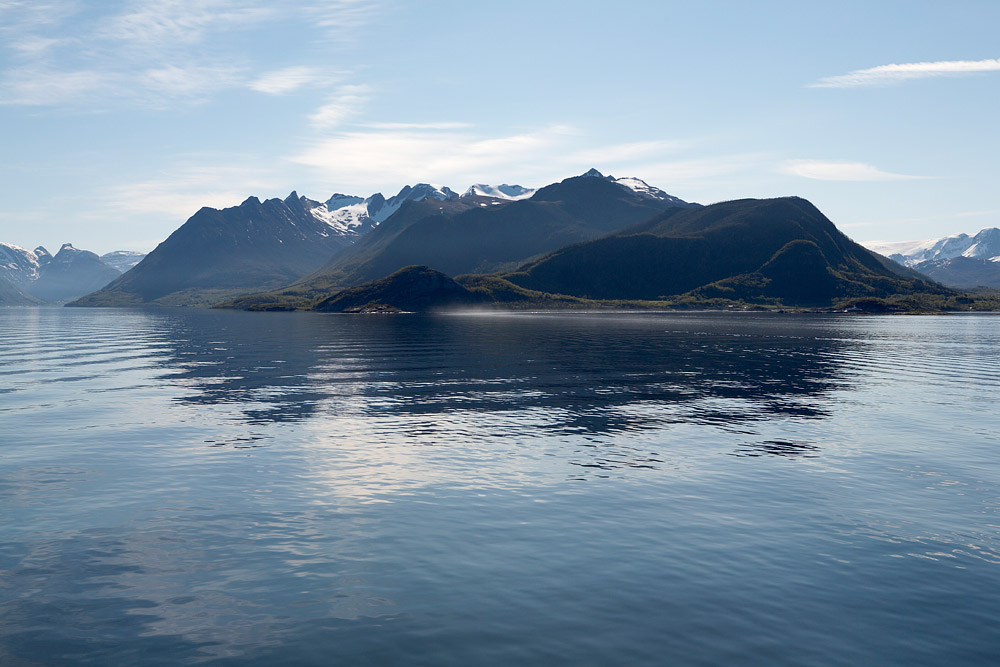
419	289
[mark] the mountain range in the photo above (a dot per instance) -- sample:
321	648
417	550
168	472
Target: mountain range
346	240
31	277
587	239
219	254
476	234
959	261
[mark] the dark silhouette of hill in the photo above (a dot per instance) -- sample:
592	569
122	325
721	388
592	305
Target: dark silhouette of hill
773	250
412	288
222	253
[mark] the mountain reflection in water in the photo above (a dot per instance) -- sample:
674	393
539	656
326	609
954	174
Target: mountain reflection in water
570	373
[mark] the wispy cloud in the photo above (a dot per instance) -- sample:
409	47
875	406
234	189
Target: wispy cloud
32	46
41	86
826	170
383	155
288	79
628	152
367	157
444	125
175	82
155	53
701	172
885	75
342	16
178	192
343	104
156	24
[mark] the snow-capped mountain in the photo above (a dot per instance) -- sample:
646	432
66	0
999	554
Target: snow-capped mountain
122	260
18	265
71	274
43	255
512	192
984	245
959	261
642	188
351	216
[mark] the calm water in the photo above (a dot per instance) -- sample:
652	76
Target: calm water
232	488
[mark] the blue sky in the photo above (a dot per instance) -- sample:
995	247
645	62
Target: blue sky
118	120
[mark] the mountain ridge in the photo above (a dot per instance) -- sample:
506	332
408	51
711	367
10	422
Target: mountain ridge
960	261
473	234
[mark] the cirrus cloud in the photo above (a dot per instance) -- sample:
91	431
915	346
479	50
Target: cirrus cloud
834	170
884	75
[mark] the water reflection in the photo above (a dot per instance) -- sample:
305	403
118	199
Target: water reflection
226	488
606	375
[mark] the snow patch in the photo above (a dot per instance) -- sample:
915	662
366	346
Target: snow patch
504	191
18	265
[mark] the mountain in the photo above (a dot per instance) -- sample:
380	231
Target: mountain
43	255
781	251
12	295
474	234
962	272
221	253
643	189
18	265
412	288
122	260
353	216
69	275
984	245
960	261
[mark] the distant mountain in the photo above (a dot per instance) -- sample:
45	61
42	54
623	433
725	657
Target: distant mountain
412	288
18	265
350	215
221	253
475	234
43	255
769	251
960	261
962	272
69	275
984	245
122	260
12	295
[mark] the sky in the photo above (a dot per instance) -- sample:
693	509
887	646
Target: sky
120	119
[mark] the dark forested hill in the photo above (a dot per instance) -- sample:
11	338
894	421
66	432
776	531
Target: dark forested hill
781	250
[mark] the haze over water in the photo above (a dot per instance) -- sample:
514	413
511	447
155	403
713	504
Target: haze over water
234	488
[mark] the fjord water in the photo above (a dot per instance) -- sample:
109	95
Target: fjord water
182	487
